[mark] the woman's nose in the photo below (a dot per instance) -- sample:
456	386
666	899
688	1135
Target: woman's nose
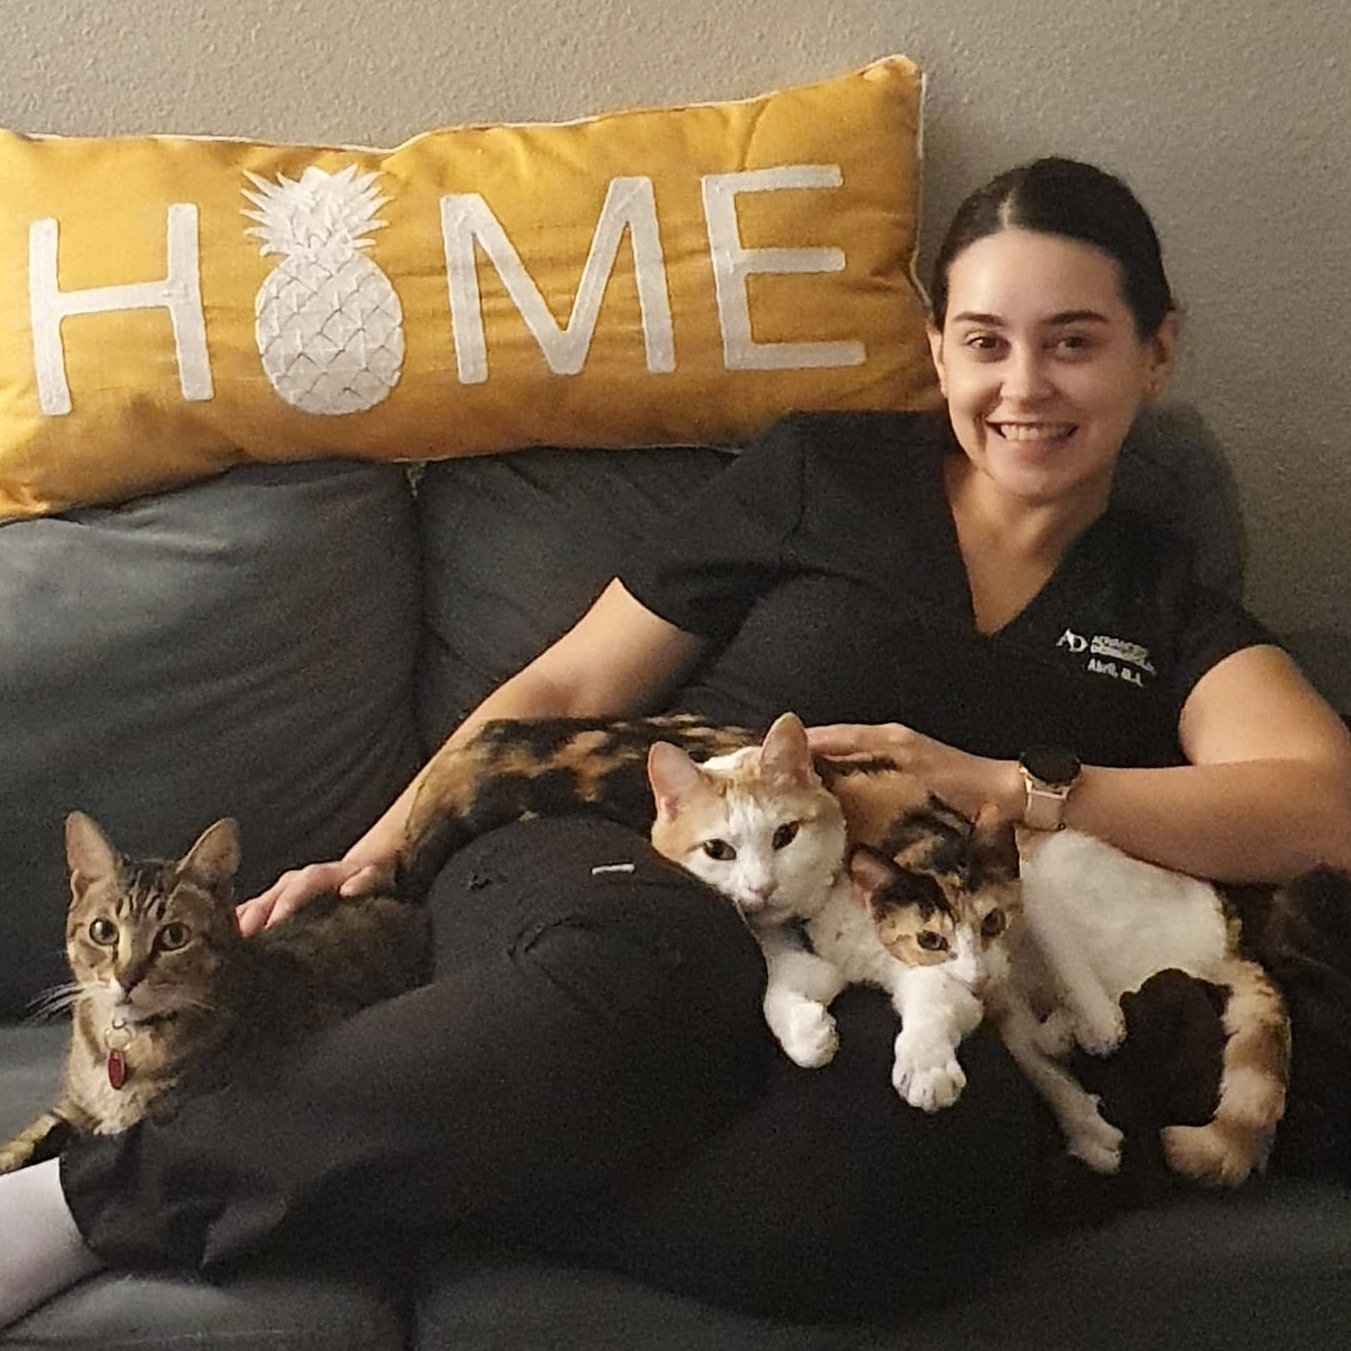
1025	375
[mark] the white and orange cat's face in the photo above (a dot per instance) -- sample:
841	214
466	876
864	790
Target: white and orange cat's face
757	824
147	942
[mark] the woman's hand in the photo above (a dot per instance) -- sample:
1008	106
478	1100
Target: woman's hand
299	886
966	782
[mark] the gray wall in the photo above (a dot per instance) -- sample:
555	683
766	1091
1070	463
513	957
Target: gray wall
1229	116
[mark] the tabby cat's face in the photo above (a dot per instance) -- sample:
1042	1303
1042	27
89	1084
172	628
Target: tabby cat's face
148	940
757	824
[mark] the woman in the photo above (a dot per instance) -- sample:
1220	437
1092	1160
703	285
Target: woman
589	1067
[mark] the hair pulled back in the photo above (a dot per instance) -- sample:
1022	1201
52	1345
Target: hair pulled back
1065	197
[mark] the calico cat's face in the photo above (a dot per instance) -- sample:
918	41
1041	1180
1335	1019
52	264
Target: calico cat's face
147	940
757	824
953	907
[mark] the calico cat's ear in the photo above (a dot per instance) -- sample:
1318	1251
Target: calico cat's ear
673	776
785	753
995	841
871	872
214	859
88	854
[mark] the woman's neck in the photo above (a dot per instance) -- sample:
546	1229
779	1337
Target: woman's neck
1010	546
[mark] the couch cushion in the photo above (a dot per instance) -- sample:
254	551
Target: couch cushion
178	304
242	647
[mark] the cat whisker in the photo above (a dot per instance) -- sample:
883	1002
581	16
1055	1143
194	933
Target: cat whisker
58	1000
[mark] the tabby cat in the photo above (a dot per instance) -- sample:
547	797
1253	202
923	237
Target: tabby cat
167	996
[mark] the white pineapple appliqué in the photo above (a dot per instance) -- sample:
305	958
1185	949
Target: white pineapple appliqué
327	321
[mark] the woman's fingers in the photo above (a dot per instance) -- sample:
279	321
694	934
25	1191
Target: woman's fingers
298	887
853	740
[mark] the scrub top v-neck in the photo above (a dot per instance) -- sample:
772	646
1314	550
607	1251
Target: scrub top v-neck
823	569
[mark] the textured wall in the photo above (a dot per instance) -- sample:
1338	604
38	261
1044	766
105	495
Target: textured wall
1229	116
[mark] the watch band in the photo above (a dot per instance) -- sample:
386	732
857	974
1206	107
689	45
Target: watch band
1049	775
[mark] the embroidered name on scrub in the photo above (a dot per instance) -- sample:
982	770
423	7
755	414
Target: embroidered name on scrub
1115	657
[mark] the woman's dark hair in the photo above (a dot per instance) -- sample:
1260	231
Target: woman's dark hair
1078	201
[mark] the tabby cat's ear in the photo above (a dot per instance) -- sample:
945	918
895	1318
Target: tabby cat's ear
673	776
785	752
88	854
214	859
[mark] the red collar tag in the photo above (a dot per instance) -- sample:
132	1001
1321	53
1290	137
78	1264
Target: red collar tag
117	1069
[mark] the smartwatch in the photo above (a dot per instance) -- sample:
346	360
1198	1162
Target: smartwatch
1049	772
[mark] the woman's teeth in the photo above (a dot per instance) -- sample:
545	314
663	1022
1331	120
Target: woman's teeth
1040	431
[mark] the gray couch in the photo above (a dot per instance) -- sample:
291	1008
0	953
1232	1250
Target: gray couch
284	644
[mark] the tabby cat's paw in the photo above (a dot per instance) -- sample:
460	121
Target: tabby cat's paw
808	1036
926	1073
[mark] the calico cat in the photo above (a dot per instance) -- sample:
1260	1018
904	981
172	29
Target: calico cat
166	996
761	827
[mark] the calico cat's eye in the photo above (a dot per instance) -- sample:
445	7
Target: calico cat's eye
993	924
720	850
103	932
932	941
785	835
173	936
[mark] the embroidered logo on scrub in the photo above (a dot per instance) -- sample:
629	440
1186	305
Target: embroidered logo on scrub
1106	656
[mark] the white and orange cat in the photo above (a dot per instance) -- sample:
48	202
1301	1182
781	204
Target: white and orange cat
944	923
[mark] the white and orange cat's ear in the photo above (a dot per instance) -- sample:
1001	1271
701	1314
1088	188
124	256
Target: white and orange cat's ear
214	859
89	855
673	776
785	753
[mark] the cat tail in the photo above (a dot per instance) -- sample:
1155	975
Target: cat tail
44	1139
1254	1075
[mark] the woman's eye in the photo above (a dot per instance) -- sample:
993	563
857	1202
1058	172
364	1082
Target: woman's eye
720	850
103	932
1074	344
931	941
785	835
993	924
173	936
983	344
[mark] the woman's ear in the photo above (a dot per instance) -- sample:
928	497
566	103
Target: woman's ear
935	336
1161	352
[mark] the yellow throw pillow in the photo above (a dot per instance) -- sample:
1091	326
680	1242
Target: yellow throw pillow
173	306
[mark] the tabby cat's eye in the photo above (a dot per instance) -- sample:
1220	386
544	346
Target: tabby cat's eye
931	941
173	936
720	850
993	924
785	835
103	932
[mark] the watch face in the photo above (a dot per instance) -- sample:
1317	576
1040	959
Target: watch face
1051	764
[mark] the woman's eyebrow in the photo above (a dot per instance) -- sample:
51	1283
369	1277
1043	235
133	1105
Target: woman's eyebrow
1059	319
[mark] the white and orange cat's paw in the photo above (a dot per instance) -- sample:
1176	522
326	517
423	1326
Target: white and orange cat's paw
807	1033
1092	1139
925	1072
1100	1029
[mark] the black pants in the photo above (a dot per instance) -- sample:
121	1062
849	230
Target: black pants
589	1069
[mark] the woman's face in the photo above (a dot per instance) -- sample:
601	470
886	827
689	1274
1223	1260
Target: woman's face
1041	364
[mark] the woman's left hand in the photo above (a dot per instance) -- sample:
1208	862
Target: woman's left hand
966	782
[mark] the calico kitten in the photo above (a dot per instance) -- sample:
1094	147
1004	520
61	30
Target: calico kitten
167	996
760	826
